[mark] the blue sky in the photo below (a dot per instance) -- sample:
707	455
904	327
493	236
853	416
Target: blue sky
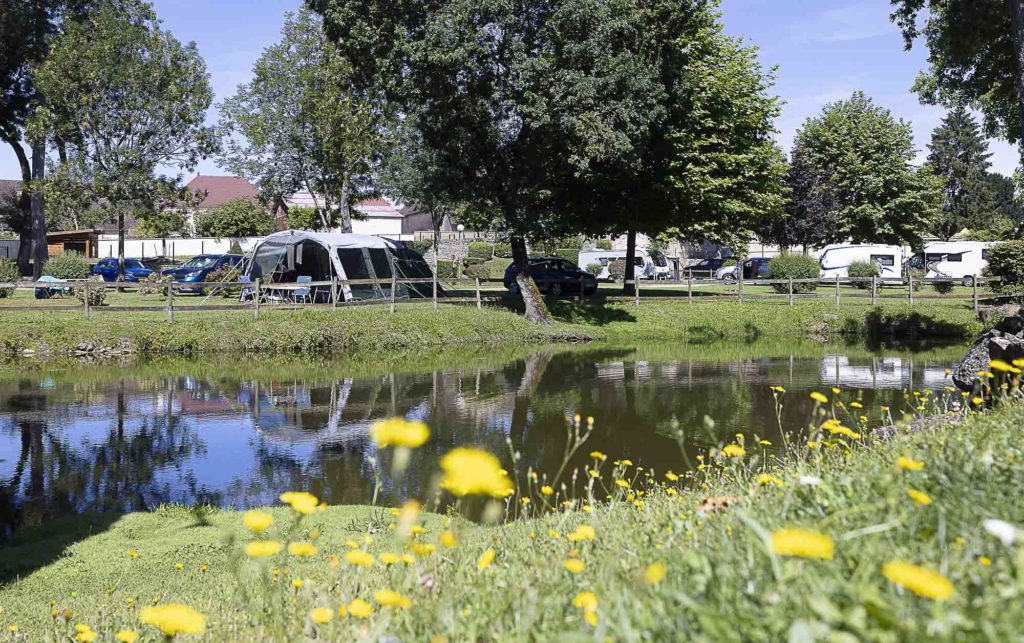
825	50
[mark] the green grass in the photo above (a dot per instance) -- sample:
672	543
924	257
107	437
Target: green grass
722	583
371	329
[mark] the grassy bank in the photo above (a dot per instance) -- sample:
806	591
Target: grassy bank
372	329
658	566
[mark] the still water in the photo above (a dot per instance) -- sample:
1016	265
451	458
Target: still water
130	437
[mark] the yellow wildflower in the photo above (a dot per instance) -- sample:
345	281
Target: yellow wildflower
919	497
297	583
360	608
302	502
390	598
574	565
262	548
399	432
908	464
485	559
919	580
133	553
585	600
408	558
733	451
84	633
173	619
388	558
621	483
671	477
583	532
471	471
985	561
302	549
819	398
802	543
654	573
597	455
423	549
127	636
359	557
767	478
257	521
448	539
321	615
547	490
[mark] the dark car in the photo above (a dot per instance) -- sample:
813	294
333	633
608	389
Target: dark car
753	268
134	270
554	276
704	268
196	269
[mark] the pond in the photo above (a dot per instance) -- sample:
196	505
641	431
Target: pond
237	433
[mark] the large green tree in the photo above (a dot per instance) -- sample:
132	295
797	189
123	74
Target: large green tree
859	157
976	55
129	99
300	124
959	156
236	218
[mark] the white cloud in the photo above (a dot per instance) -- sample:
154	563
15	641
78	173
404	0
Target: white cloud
846	24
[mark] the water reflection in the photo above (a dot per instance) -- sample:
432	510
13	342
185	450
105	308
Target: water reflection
102	440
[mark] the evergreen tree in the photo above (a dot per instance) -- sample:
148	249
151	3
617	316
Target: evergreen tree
959	156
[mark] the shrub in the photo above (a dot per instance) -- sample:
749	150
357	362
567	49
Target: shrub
224	273
481	250
9	273
239	217
97	292
1006	260
617	269
503	250
69	265
422	246
943	287
918	274
603	244
478	271
445	268
863	270
594	268
794	266
155	284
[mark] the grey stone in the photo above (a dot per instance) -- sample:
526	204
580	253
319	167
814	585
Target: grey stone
1005	342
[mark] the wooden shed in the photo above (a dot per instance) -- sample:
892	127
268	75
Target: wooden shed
83	241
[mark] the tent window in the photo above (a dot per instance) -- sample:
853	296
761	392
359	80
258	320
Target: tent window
381	263
353	262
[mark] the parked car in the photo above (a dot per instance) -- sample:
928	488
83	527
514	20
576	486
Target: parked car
554	276
134	270
704	268
196	269
753	268
157	263
646	267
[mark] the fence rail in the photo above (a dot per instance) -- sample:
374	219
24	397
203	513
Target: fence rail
258	297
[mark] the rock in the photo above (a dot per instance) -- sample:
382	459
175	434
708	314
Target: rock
989	314
1007	349
1005	339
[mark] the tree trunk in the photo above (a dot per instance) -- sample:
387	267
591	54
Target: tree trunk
1017	15
39	250
536	311
25	227
628	288
344	212
120	245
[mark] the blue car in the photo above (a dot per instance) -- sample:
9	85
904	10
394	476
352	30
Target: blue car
554	276
133	269
196	269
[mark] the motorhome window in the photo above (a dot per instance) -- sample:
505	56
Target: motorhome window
604	262
638	261
984	254
957	258
884	260
933	257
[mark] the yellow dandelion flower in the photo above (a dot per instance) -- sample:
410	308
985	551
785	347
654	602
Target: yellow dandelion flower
574	565
767	478
408	558
321	615
919	497
856	405
127	636
985	561
733	451
471	471
547	490
485	559
390	598
262	548
654	573
585	600
597	455
554	534
671	477
297	583
388	558
423	549
173	619
417	530
399	432
819	398
360	608
583	532
802	543
909	464
302	502
84	633
448	539
977	401
621	483
359	558
132	553
921	581
257	521
302	549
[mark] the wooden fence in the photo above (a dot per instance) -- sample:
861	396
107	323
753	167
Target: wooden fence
261	297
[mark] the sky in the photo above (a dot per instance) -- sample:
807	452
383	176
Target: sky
824	50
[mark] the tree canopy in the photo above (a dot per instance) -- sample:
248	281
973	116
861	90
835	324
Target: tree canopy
959	156
236	218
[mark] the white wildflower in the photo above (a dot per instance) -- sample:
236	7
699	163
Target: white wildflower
810	481
1002	530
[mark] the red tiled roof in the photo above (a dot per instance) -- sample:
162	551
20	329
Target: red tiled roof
221	189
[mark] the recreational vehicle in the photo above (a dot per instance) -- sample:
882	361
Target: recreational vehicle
959	260
835	260
645	266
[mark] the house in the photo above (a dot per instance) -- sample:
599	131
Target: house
372	216
416	219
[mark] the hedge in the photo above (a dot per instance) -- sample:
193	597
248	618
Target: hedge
69	265
863	270
1006	260
481	250
794	266
9	273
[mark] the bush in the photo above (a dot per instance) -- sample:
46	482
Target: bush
69	265
603	244
422	246
594	268
503	250
1006	260
943	287
155	284
477	271
9	273
918	274
481	250
224	273
617	269
445	268
97	292
863	270
794	266
236	218
568	254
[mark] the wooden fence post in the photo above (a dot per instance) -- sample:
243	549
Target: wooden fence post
334	292
739	283
170	303
85	296
910	288
435	289
394	289
790	291
874	289
480	301
837	289
974	284
636	289
689	287
257	295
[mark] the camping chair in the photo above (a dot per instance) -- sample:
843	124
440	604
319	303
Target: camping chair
303	294
247	292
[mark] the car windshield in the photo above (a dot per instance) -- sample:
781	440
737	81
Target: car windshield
201	262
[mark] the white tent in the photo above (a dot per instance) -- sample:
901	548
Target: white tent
283	257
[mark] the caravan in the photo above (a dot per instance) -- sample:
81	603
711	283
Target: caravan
835	260
645	266
959	260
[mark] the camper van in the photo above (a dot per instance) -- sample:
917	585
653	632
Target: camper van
645	266
960	260
835	260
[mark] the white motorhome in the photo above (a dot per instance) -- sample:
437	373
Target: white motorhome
645	266
835	260
960	260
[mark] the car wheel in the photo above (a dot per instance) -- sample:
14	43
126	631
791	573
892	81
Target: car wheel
729	277
968	282
555	290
